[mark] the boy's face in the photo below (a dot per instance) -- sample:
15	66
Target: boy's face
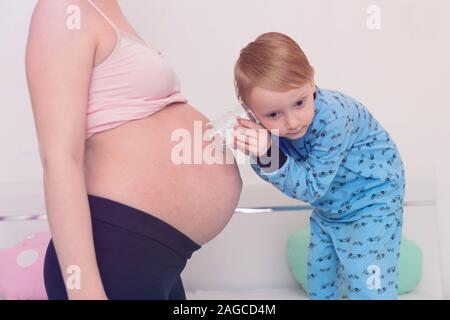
291	112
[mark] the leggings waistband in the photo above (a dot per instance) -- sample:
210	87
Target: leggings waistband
138	221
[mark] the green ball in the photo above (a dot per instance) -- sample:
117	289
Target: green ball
409	265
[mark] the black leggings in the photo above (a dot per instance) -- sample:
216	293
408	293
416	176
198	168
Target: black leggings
139	256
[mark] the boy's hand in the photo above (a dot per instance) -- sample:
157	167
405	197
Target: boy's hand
251	138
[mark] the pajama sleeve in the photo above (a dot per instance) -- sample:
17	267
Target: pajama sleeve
309	179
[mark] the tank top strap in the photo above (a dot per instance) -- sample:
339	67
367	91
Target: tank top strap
104	16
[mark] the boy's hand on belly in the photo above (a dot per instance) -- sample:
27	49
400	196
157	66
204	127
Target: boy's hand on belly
251	138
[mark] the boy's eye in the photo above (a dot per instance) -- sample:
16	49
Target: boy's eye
299	103
272	115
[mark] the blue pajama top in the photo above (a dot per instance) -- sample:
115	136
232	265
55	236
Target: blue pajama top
346	164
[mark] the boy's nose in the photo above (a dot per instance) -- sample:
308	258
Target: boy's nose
292	124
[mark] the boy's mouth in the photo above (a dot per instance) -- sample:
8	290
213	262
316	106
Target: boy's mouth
295	132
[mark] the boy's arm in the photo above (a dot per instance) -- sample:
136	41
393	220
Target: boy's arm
265	161
309	179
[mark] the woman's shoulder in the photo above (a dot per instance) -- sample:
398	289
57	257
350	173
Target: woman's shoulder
61	35
57	22
54	10
53	6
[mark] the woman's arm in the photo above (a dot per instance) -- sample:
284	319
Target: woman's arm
59	62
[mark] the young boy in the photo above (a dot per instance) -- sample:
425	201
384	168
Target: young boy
331	152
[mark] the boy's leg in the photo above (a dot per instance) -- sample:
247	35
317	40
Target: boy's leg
323	264
370	258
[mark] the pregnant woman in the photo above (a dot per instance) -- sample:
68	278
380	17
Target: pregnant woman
124	217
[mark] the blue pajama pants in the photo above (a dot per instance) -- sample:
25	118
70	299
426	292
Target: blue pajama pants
358	257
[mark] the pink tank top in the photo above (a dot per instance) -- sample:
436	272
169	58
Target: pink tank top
133	82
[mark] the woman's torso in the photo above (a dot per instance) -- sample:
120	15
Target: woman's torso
132	164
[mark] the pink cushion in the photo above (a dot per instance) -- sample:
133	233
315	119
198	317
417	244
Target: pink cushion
22	268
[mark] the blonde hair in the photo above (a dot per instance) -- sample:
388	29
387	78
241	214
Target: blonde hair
274	62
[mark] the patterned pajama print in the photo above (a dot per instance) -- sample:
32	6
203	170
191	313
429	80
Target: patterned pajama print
349	169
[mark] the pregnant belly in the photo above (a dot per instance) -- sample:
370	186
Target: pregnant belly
138	164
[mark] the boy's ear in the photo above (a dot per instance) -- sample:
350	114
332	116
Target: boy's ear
251	115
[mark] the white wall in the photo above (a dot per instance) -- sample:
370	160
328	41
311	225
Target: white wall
400	71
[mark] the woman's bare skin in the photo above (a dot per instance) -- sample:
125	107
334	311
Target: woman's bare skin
132	164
